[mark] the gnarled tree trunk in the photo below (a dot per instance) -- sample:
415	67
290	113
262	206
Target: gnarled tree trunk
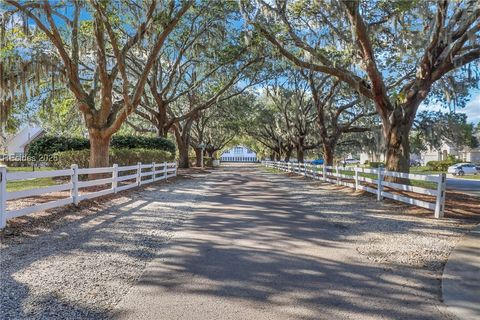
198	157
301	149
288	154
397	147
328	153
183	161
182	137
300	154
99	147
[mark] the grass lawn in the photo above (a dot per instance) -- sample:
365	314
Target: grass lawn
29	184
272	170
424	170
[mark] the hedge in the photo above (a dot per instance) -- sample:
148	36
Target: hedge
48	145
129	142
441	165
375	164
122	157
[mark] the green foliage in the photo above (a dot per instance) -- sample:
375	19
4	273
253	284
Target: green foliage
48	145
129	142
443	164
374	164
432	128
122	157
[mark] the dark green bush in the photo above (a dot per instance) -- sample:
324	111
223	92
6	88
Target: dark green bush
48	145
129	142
122	157
441	165
376	164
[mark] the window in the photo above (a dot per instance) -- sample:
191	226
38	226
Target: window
238	150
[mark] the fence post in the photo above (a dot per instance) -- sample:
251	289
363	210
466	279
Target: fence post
175	167
338	175
379	184
356	178
324	173
153	172
74	180
139	173
440	203
115	178
314	171
165	171
3	197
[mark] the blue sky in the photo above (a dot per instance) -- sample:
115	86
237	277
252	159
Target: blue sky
472	108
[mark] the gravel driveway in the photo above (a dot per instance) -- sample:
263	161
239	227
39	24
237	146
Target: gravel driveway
268	246
246	245
82	269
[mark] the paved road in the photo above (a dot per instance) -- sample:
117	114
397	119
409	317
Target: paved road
461	281
471	187
254	249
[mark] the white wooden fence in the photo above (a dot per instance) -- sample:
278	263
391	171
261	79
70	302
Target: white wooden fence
373	181
122	178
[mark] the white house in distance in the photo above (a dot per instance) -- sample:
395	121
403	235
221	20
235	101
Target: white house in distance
17	143
464	154
238	154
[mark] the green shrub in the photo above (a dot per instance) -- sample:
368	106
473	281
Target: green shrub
122	157
376	164
48	145
130	142
441	165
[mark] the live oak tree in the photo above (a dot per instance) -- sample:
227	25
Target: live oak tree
25	75
233	82
218	126
395	53
204	62
339	112
200	46
292	101
267	126
92	40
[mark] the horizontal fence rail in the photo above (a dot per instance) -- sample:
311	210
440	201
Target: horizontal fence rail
112	179
375	181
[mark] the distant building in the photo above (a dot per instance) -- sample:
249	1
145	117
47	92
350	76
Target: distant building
464	154
18	143
239	154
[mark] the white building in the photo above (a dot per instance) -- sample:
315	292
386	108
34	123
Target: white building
239	154
17	143
465	154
